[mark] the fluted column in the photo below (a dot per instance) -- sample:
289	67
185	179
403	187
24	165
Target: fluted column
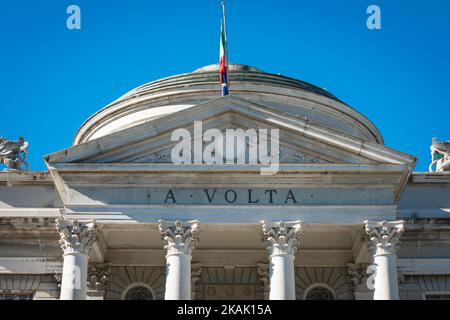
181	238
281	240
384	239
76	241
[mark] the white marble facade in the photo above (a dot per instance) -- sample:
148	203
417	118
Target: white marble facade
344	218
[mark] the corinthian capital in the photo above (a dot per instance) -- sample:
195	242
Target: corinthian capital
181	237
281	237
384	237
75	236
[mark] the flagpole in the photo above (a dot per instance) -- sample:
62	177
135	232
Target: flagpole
226	33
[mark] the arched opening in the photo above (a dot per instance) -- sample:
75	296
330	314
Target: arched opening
319	292
138	292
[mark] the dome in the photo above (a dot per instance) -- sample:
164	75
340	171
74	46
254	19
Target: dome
231	68
169	95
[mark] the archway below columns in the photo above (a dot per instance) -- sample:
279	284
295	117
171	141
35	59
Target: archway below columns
126	278
334	279
139	291
319	291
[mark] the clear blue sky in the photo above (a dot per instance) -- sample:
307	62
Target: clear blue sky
53	79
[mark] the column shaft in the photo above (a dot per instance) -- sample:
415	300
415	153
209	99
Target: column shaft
181	238
178	279
281	240
386	281
76	241
74	277
384	240
282	278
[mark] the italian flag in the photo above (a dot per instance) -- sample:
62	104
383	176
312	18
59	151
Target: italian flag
223	69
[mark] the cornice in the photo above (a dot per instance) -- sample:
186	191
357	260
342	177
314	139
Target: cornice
430	178
14	178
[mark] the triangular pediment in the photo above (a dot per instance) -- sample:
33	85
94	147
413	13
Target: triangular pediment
300	140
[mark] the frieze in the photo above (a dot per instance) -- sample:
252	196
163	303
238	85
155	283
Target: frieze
287	155
234	196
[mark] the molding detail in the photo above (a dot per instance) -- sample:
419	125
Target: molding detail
281	237
196	271
294	156
229	283
42	286
181	237
264	277
401	278
76	237
358	274
384	237
98	277
58	277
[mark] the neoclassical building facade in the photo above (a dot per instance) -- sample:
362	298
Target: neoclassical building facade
115	217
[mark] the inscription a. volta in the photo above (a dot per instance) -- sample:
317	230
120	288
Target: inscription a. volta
233	196
172	196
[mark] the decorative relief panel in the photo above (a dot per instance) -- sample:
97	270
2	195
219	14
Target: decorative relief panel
229	283
98	277
295	156
358	274
287	155
231	292
196	271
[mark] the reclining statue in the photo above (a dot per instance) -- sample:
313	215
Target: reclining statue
13	154
440	156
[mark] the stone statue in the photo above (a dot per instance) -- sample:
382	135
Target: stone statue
440	156
13	154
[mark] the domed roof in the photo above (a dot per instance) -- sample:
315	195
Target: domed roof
169	95
231	68
242	72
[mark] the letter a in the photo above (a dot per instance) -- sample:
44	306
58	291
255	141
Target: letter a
74	20
374	21
182	151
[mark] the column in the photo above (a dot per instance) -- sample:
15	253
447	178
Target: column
281	240
383	243
76	240
181	238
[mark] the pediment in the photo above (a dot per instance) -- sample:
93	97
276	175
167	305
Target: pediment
300	140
